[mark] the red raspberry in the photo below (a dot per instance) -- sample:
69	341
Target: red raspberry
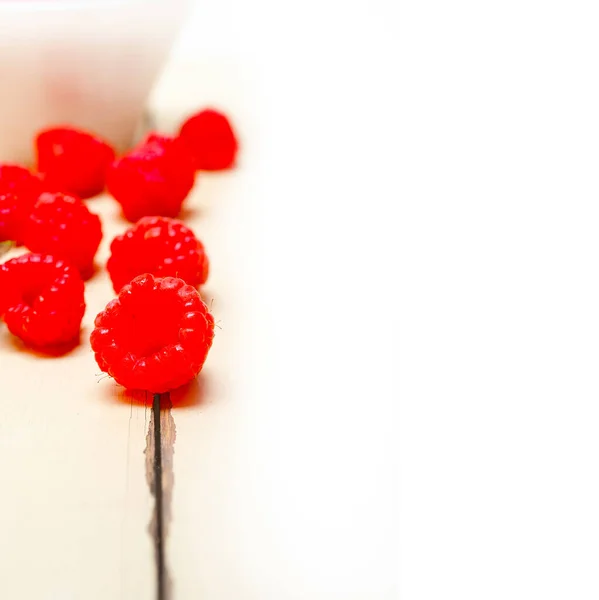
19	190
19	180
63	226
41	299
161	246
73	161
153	179
155	335
210	139
13	216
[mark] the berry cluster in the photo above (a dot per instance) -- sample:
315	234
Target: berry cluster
155	265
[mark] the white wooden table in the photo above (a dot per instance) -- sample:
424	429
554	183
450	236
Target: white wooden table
283	487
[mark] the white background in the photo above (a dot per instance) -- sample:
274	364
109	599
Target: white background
448	150
497	264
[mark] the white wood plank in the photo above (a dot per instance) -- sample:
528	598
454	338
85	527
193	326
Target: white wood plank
75	504
283	479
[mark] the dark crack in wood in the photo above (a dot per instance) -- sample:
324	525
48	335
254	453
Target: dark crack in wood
160	478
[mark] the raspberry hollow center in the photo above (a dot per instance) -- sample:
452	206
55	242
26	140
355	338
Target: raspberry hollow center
30	295
34	288
148	331
152	341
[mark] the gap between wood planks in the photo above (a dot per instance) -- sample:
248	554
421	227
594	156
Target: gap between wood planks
160	478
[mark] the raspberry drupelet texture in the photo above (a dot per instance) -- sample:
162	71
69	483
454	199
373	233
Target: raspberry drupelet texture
14	213
19	190
41	299
63	226
210	139
161	246
154	336
19	180
73	161
153	179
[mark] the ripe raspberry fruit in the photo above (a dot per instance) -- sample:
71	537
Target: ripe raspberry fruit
153	179
73	161
161	246
154	336
19	190
19	180
13	216
62	226
41	299
210	139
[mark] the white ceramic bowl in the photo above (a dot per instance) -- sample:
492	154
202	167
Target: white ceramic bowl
90	63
